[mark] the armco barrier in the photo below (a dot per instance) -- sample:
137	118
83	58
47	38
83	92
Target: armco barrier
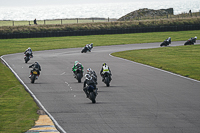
100	32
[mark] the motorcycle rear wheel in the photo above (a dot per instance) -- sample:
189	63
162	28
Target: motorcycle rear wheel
107	81
79	77
92	97
33	78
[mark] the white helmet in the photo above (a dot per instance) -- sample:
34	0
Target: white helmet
89	70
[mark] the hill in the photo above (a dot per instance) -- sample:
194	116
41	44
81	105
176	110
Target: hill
145	12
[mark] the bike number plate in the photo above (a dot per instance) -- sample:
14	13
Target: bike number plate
34	72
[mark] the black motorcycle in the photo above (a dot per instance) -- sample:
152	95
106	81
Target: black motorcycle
191	41
92	93
34	75
166	42
27	57
79	73
107	78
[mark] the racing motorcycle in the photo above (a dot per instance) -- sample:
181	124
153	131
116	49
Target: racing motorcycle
79	73
191	41
107	78
27	57
34	75
92	93
166	42
87	48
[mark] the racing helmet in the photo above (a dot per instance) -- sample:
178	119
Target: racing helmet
104	64
76	62
89	70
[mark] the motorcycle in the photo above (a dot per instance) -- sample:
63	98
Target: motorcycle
34	75
79	73
191	41
92	93
87	48
107	78
27	57
166	42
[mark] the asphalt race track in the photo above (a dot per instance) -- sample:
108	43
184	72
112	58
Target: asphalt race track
141	99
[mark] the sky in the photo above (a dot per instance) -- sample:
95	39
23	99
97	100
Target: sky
5	3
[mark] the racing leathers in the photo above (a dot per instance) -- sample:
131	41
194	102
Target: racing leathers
29	51
89	82
36	67
76	65
105	68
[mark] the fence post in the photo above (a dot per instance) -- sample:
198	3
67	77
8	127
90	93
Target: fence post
77	20
29	23
108	19
13	23
61	21
44	21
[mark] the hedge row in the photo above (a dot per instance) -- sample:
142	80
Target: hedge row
99	32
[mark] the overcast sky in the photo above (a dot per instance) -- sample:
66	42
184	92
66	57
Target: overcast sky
59	2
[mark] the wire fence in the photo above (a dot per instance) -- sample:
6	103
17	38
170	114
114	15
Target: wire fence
54	21
91	20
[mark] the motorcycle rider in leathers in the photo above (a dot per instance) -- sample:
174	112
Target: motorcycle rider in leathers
105	68
90	82
93	74
76	63
36	67
28	50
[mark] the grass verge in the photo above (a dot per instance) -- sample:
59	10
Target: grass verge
18	110
183	60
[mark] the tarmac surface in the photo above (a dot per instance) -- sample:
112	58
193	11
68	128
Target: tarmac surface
141	99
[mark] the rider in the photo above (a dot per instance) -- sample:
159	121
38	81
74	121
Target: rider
89	46
90	84
76	64
105	68
93	74
36	67
169	40
28	50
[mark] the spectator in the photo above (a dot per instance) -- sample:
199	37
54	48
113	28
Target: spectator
35	22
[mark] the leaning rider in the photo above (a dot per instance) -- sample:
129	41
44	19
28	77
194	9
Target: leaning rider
28	50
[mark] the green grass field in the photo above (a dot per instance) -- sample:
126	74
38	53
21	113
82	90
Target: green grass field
18	110
183	60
